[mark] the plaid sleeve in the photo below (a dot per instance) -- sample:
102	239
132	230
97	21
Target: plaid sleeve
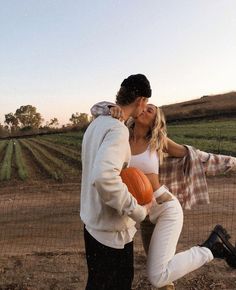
215	164
101	108
172	175
185	178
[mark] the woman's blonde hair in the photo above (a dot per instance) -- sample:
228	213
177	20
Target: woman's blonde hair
157	135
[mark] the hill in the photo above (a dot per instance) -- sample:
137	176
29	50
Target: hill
207	107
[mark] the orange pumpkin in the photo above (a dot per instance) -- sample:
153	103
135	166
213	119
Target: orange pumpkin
138	184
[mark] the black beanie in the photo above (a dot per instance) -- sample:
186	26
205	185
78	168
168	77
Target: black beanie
139	84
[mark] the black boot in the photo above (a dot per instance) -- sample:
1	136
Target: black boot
218	243
231	260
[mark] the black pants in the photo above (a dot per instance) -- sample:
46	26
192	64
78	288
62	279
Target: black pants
108	268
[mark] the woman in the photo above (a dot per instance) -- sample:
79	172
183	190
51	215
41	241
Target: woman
149	142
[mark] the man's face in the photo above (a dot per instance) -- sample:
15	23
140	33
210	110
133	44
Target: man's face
140	106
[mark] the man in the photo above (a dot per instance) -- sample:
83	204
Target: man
108	210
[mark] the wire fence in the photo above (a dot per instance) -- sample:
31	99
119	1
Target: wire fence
41	234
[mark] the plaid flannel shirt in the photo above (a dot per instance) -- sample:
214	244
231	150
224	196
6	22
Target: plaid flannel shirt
186	176
101	108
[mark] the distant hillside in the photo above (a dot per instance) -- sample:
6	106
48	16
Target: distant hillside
207	107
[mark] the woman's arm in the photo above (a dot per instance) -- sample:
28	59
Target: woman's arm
107	108
101	108
175	149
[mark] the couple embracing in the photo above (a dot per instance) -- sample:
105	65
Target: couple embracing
132	133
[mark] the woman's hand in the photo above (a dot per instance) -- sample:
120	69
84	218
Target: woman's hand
149	205
117	113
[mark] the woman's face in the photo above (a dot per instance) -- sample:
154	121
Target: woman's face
148	116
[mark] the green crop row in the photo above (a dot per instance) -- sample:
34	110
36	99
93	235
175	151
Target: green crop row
22	171
43	162
70	152
2	145
60	155
5	170
64	139
211	136
224	130
56	162
65	152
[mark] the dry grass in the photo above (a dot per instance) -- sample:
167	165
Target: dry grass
215	106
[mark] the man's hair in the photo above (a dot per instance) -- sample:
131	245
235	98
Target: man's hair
133	87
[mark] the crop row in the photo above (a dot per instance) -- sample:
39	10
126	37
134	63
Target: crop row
59	156
65	152
2	145
5	170
20	164
53	160
66	140
214	130
44	160
211	136
13	150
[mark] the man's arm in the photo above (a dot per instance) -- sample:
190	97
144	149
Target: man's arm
106	175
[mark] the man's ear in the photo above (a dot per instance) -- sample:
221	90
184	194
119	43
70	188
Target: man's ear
138	101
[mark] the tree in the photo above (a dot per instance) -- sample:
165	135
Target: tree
53	123
79	119
11	120
2	130
28	117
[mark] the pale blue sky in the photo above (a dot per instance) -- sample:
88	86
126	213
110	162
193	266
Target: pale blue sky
63	55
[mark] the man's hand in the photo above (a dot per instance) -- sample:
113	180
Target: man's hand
117	113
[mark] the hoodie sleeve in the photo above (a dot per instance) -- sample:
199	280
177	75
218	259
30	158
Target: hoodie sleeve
106	175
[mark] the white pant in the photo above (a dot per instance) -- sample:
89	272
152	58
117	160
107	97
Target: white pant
163	266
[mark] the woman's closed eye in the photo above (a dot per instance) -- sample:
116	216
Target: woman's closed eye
150	110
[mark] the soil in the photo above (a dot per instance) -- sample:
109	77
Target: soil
41	237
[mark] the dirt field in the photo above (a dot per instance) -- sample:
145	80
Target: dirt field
41	238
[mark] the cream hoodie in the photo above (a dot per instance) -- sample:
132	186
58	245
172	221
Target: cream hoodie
106	204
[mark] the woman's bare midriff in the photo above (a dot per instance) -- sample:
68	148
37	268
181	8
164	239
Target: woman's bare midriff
154	179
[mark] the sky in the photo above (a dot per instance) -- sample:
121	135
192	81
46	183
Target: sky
62	56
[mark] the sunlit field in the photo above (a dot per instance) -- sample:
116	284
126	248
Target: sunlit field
41	234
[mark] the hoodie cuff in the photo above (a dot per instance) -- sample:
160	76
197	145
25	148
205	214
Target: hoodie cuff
139	213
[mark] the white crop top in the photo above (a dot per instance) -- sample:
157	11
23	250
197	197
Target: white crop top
147	161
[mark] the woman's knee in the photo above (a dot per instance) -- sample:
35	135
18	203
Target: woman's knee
157	280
